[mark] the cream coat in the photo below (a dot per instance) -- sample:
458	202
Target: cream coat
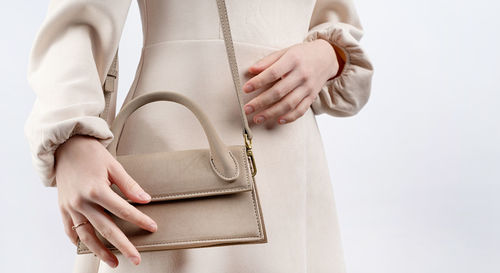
183	51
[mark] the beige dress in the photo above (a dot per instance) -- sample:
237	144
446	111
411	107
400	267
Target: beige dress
183	51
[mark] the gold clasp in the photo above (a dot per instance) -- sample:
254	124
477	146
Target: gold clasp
248	144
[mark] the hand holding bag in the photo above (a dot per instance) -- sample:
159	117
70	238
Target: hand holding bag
199	197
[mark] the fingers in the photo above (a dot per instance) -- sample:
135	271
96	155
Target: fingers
291	107
108	199
105	225
119	206
289	103
274	72
68	223
128	186
273	95
300	110
266	61
87	235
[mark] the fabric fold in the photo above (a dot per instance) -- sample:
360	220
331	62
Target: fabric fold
347	93
71	53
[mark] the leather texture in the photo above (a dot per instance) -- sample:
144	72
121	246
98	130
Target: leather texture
186	187
211	192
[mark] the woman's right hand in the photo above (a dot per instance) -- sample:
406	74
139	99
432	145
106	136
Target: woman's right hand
85	171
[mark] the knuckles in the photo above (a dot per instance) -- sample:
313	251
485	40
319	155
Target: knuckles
309	87
287	105
294	55
306	75
85	237
277	94
274	73
106	231
77	202
94	193
131	187
124	212
257	104
304	72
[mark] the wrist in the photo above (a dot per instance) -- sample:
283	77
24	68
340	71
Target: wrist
72	139
339	57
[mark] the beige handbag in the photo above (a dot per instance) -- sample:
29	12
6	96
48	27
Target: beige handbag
199	197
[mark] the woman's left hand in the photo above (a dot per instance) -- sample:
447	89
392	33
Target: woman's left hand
299	72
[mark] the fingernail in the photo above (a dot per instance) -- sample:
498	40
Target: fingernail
144	196
282	121
259	119
248	109
248	88
135	260
153	226
111	263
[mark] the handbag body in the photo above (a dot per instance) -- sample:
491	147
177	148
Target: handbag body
199	197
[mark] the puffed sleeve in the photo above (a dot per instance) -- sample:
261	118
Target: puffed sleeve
337	22
67	65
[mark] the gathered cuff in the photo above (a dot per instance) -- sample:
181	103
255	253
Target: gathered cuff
49	138
347	93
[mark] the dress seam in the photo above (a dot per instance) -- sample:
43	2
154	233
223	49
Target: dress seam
146	29
138	75
146	46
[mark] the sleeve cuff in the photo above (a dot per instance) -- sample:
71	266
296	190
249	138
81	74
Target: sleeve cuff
346	94
50	137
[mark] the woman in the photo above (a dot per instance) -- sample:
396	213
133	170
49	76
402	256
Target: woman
297	59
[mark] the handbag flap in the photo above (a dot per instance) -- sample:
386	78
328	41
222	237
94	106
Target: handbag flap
183	174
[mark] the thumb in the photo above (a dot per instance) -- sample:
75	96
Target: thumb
128	186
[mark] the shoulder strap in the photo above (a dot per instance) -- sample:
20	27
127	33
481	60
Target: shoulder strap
109	88
231	57
112	76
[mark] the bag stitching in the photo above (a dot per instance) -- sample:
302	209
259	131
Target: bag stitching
83	250
212	163
212	191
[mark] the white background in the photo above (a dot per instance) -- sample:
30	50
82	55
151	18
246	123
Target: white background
416	173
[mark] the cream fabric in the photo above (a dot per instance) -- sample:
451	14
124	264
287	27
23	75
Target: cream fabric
183	51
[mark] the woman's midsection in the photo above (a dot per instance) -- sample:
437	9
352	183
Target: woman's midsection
277	23
198	69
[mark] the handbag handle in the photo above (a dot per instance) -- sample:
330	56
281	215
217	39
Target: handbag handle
223	162
110	84
112	75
